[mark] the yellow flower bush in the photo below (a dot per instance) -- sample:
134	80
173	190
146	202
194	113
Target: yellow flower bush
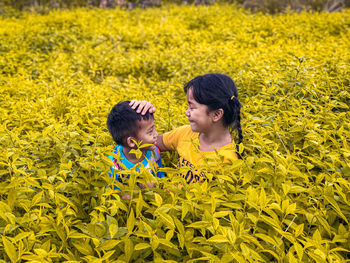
288	199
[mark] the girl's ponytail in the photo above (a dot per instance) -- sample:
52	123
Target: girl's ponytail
235	106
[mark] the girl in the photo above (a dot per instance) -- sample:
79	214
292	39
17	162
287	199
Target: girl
213	108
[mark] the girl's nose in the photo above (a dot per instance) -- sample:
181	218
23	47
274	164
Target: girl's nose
187	113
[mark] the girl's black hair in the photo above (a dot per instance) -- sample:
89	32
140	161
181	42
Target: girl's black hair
218	91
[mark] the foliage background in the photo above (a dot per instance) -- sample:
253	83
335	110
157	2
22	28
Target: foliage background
287	200
271	6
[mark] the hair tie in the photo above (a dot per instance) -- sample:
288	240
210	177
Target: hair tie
233	96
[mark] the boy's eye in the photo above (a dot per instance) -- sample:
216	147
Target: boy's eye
150	131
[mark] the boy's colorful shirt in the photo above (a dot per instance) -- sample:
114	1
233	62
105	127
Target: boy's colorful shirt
184	141
151	156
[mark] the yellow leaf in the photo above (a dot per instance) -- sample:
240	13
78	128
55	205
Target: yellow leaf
291	209
299	230
131	221
179	226
128	248
262	198
10	249
222	213
158	199
109	244
113	229
218	239
166	243
40	252
167	220
299	249
77	235
199	224
141	246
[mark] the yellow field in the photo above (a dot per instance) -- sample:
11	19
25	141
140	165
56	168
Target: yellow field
288	200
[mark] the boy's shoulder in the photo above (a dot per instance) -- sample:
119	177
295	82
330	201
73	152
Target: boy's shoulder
153	155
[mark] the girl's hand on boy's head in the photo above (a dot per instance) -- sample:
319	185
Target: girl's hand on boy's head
142	106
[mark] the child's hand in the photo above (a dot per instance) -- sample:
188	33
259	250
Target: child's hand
142	105
151	185
125	197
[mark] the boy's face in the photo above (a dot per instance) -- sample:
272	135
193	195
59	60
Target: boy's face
147	133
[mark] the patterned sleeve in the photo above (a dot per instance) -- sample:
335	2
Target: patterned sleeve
158	160
114	168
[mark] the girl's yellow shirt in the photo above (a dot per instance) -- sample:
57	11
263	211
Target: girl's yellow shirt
186	143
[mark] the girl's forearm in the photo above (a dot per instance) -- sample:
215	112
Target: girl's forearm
160	143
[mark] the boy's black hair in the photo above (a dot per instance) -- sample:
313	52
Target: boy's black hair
218	91
122	122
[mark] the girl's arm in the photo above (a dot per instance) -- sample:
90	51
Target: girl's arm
142	107
160	143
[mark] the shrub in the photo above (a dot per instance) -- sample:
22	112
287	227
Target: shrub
287	200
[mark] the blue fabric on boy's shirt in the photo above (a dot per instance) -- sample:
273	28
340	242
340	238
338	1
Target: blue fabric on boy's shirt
151	156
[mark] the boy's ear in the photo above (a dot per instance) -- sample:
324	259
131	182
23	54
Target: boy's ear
217	115
130	141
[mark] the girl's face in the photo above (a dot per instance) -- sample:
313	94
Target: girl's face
198	114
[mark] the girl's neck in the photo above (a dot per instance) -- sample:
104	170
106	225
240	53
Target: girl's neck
216	137
131	157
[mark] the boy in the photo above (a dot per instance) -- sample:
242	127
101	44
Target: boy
128	127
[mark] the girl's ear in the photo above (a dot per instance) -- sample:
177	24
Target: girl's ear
130	141
217	115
